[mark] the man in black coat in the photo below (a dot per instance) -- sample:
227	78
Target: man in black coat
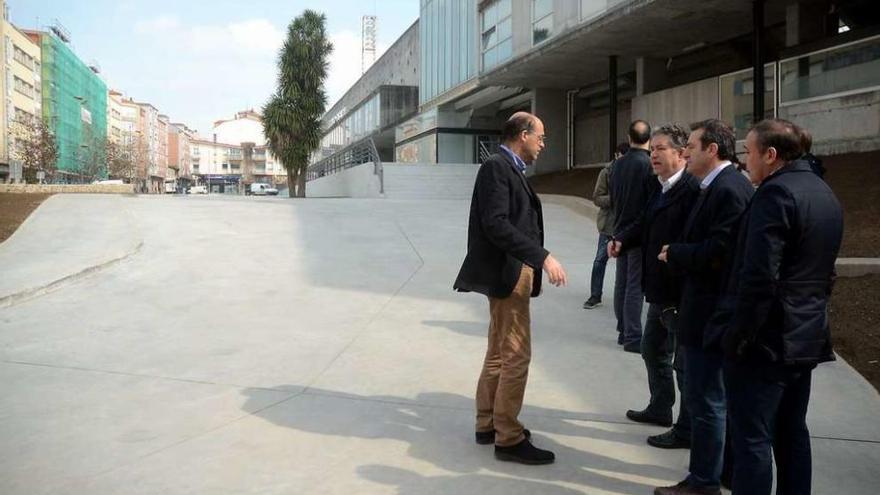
504	260
781	278
708	238
662	222
631	185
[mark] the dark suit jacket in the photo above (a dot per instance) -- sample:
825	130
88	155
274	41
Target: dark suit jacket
661	223
505	230
708	237
782	273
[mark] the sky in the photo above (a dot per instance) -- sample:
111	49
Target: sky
199	61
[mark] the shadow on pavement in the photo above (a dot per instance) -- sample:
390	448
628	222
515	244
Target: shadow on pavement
412	483
439	429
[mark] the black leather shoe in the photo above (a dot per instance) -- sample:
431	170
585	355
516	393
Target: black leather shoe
592	302
669	440
684	489
634	347
619	339
488	437
524	453
650	418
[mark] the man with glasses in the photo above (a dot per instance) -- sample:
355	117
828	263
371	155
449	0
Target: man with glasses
504	260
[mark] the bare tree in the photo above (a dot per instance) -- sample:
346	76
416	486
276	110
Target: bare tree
120	164
34	146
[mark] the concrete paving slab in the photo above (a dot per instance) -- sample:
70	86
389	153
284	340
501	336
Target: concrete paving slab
315	346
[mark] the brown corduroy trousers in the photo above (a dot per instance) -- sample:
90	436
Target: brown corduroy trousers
506	366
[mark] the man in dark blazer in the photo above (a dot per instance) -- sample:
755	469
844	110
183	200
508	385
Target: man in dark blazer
708	238
670	204
504	260
781	278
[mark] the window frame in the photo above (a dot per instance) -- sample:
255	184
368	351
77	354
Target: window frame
838	94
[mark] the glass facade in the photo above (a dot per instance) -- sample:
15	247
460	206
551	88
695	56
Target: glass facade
736	94
844	69
542	20
387	106
447	36
496	33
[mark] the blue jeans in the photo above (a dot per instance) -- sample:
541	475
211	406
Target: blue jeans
704	383
628	297
768	410
597	279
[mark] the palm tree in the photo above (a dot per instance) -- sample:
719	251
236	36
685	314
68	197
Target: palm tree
292	117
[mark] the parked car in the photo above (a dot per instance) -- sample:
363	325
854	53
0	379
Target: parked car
261	189
198	190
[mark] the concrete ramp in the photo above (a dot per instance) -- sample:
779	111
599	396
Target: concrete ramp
429	181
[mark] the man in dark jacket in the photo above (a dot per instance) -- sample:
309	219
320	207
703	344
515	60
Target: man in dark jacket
781	275
631	183
504	260
674	195
707	239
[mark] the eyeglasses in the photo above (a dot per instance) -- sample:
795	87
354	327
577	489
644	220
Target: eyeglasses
541	137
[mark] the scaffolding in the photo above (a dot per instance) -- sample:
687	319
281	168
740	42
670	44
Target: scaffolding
74	104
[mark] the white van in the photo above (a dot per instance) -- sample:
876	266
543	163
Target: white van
198	190
260	189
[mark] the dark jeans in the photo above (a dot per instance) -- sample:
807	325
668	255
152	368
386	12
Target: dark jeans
659	353
628	297
768	408
597	279
706	402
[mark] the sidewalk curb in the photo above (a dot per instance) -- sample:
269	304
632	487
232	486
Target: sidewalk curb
27	294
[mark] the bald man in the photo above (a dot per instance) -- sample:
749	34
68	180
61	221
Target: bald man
504	260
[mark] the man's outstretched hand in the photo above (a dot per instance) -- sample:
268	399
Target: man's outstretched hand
555	272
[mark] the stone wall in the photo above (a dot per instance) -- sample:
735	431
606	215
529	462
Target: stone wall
67	188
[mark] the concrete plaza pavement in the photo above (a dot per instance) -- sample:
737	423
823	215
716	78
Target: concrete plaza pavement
251	345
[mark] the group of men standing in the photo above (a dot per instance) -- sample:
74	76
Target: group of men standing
736	268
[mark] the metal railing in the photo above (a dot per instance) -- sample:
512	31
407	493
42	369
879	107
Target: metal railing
488	145
363	151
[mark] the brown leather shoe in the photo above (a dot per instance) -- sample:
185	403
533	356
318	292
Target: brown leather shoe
683	488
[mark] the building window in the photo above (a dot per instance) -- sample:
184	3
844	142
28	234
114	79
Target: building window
846	69
23	58
496	41
542	20
736	94
24	88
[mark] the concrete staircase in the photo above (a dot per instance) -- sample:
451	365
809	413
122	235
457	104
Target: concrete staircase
429	181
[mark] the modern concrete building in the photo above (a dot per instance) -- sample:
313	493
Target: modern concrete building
21	100
589	67
74	102
363	122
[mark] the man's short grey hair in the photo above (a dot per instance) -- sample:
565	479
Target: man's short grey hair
677	134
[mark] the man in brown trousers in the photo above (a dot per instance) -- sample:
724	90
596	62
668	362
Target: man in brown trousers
504	261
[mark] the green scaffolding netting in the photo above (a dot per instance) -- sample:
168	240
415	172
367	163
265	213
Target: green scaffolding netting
72	95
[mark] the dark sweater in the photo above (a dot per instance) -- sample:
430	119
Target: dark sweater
631	187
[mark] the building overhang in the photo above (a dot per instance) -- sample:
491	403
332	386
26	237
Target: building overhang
665	29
